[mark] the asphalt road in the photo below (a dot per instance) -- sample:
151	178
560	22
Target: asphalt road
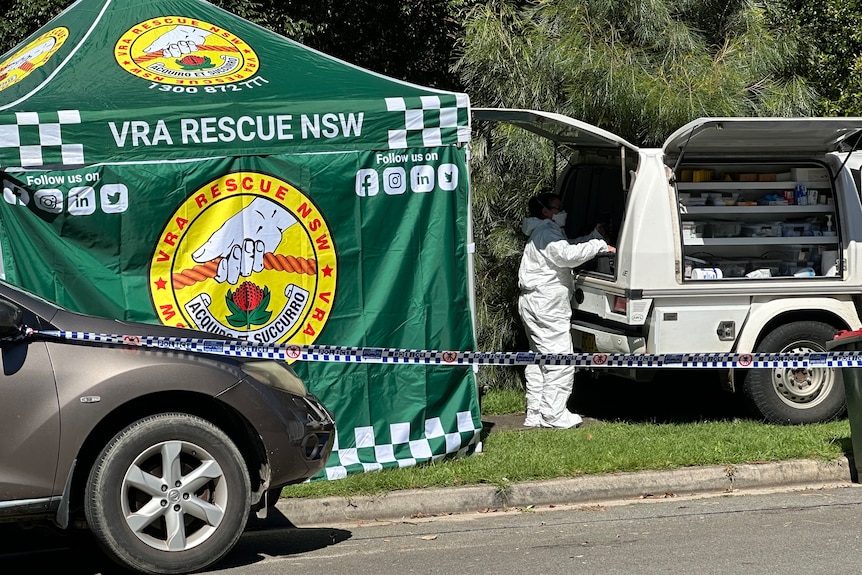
811	531
802	531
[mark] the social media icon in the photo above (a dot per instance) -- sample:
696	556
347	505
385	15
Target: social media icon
15	194
367	183
114	198
447	177
422	179
82	201
394	181
50	201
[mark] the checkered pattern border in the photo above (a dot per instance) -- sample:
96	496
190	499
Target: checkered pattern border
36	139
430	121
402	446
345	354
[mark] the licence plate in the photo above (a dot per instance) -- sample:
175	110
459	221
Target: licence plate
588	343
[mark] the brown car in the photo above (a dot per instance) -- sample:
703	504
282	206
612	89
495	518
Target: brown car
161	454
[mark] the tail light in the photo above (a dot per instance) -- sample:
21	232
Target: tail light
620	305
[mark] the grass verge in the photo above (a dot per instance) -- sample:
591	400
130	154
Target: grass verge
538	454
503	401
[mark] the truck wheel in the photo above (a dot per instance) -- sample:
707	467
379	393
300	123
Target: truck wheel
796	395
168	494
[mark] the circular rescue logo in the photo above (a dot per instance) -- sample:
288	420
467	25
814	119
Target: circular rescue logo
31	57
185	51
247	256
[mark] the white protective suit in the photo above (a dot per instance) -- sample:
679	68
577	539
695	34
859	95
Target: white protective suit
546	281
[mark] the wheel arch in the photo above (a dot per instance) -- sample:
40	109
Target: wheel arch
223	416
766	317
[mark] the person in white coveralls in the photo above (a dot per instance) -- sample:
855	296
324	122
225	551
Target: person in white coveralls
546	281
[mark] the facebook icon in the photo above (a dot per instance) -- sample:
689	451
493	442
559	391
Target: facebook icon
367	183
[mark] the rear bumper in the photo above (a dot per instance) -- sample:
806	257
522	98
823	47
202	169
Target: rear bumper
590	336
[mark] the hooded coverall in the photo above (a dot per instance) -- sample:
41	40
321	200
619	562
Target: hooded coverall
546	281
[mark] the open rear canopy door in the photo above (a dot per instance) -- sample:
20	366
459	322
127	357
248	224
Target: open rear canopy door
555	127
762	136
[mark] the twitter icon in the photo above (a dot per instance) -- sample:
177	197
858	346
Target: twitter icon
447	177
114	198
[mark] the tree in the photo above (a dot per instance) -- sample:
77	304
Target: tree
638	68
832	30
23	17
412	41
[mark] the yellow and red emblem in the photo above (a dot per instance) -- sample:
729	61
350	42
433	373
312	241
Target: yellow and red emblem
185	52
247	256
31	56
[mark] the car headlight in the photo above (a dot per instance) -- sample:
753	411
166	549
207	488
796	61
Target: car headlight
276	375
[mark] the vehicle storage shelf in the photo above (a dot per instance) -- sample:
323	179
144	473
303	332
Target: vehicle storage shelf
749	241
732	186
757	210
740	227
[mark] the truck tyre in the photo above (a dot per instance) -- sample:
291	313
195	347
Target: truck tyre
168	494
796	395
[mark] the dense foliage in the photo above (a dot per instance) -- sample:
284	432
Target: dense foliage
832	33
638	69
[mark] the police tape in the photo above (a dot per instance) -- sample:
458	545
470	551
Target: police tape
343	354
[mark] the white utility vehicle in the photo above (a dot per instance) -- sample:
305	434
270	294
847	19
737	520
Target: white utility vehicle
739	235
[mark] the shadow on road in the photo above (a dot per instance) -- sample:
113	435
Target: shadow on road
276	536
42	549
256	545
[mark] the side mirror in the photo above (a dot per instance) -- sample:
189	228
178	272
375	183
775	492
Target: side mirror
11	320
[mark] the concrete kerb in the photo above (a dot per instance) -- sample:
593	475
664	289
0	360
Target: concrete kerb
590	489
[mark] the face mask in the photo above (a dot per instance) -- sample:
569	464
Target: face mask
560	219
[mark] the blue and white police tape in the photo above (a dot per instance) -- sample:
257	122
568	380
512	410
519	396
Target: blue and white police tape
343	354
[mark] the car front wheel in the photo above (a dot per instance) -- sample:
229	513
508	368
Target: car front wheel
169	494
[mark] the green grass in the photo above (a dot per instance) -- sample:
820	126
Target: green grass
537	454
503	401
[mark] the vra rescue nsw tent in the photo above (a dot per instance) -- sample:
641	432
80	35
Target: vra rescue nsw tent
166	161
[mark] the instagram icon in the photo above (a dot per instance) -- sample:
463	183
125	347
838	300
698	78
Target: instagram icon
394	181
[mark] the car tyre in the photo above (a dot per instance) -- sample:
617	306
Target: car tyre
790	396
169	494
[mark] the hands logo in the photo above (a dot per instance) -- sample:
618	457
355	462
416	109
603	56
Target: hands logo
31	56
184	51
244	264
